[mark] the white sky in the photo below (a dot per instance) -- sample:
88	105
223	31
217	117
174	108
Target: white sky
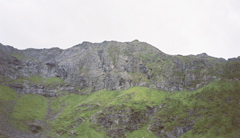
174	26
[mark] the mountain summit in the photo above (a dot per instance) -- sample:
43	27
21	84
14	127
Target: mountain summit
111	65
117	89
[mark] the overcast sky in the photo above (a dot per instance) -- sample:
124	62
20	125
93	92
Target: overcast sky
173	26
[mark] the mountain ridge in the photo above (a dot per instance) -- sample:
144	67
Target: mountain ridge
131	61
117	89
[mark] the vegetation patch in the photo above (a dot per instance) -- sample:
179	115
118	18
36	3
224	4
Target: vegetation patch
86	131
18	56
138	98
212	111
53	81
102	97
36	79
7	94
29	108
7	100
141	133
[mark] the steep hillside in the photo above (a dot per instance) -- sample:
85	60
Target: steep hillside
212	111
115	89
89	67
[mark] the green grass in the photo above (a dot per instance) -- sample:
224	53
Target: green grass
68	102
66	106
7	94
73	106
141	133
18	56
53	81
102	97
21	109
7	100
86	131
207	104
36	79
138	98
29	108
216	109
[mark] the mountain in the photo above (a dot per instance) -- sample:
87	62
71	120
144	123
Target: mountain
89	67
117	89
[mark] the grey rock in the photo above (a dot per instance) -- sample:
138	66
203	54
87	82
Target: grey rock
110	65
234	59
117	122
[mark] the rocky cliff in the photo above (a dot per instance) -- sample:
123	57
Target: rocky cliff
115	89
111	65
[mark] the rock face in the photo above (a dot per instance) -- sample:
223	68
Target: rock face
109	65
90	84
118	122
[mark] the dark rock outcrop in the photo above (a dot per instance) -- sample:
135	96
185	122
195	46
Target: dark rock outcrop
117	122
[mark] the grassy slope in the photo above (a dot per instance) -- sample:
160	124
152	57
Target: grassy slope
136	98
141	133
45	81
29	108
7	100
219	110
22	108
216	109
215	105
